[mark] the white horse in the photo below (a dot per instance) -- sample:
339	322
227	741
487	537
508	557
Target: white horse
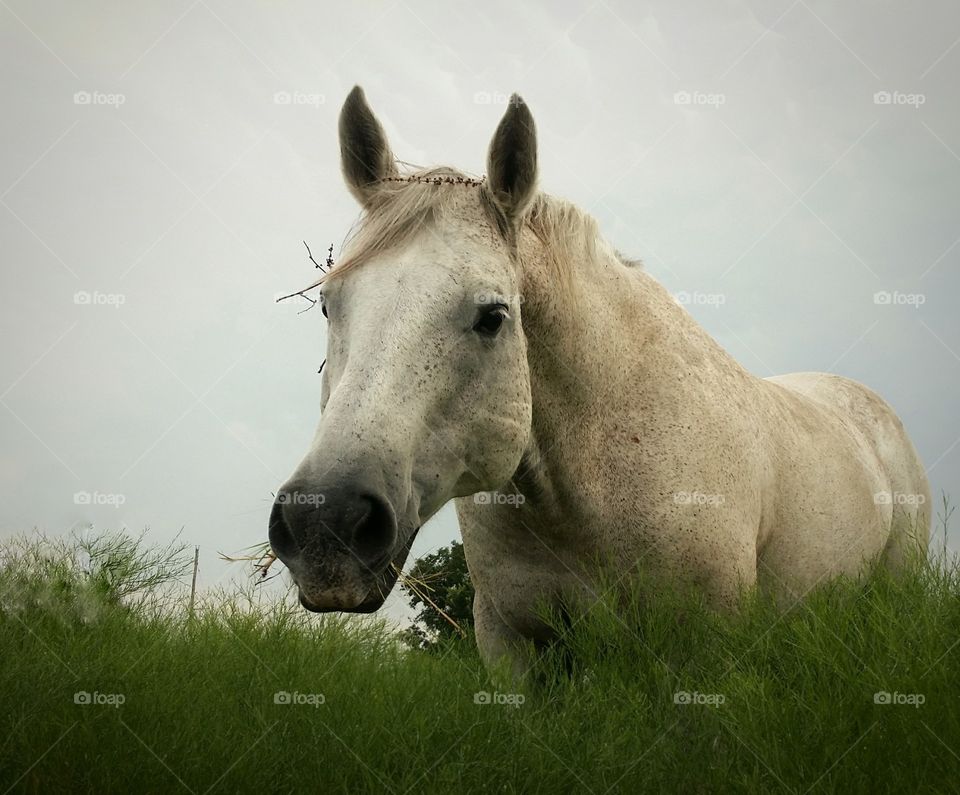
486	344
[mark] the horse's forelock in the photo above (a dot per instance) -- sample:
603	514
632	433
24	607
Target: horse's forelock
399	209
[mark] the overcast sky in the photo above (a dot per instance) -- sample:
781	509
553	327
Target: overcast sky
777	164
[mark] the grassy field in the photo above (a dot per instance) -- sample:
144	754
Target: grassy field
107	685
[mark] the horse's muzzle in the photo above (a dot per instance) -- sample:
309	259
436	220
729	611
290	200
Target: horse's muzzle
338	543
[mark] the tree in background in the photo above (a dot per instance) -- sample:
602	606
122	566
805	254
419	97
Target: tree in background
439	588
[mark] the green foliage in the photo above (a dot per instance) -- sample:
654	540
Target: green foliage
641	695
87	572
439	582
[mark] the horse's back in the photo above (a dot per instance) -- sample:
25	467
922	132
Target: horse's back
866	448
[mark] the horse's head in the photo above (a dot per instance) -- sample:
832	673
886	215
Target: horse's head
426	389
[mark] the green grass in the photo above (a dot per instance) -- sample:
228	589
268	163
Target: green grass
798	711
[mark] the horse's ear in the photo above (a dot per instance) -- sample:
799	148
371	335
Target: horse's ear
365	155
512	160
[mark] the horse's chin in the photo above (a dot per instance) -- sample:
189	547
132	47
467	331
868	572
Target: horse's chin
370	604
366	598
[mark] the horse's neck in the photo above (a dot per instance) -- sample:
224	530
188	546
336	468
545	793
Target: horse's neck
614	321
598	357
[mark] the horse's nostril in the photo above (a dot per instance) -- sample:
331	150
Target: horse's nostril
345	524
376	532
281	537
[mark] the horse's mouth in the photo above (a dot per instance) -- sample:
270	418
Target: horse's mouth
371	604
344	601
366	597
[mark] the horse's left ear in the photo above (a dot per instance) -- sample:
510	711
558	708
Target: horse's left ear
512	160
364	152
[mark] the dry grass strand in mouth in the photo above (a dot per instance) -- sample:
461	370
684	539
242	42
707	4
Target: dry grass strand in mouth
420	588
262	557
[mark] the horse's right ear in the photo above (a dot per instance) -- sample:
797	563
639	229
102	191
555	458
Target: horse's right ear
512	160
365	156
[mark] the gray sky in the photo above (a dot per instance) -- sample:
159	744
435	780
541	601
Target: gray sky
165	160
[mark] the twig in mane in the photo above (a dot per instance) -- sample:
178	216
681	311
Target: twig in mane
325	269
329	260
303	293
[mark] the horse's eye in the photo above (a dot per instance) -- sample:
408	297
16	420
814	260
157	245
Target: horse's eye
323	305
490	321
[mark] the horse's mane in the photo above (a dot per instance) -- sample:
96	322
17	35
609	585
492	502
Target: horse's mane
402	206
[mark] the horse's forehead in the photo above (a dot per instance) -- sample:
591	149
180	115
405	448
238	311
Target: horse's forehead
444	251
451	245
428	269
458	241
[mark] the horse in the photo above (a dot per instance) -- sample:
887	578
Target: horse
487	345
